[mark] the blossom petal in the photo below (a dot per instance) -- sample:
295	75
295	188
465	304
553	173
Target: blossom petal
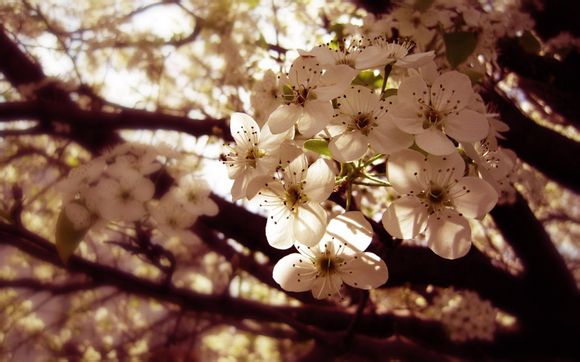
352	229
371	57
327	286
319	181
467	126
445	170
334	81
414	89
387	138
279	229
415	60
358	100
451	91
294	273
473	197
435	142
316	116
284	117
348	146
406	217
309	224
406	171
407	116
241	125
143	190
448	234
366	271
304	71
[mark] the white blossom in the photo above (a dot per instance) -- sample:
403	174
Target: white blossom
338	257
435	113
293	203
436	198
382	52
256	153
362	119
307	93
194	194
123	197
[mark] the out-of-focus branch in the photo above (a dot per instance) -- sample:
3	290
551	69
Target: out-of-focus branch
53	288
546	150
101	121
553	296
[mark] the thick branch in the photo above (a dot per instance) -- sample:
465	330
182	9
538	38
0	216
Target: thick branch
548	151
99	121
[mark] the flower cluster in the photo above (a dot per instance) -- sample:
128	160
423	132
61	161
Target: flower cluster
465	315
119	186
326	129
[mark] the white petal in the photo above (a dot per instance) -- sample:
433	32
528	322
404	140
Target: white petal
445	170
371	57
466	126
304	71
407	116
349	146
209	207
319	181
309	224
334	81
324	287
414	89
352	229
451	91
448	234
296	170
406	217
325	55
279	229
271	142
357	99
388	138
240	125
367	271
284	117
473	197
144	190
406	171
316	116
294	273
435	142
416	60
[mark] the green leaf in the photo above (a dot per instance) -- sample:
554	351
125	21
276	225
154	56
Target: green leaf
367	78
459	45
390	92
530	43
318	145
67	237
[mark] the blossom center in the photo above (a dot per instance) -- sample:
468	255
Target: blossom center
294	196
432	118
125	195
327	265
362	123
253	154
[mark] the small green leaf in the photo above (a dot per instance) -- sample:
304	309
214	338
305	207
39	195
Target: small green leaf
390	92
262	43
318	145
367	78
459	45
67	237
530	43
